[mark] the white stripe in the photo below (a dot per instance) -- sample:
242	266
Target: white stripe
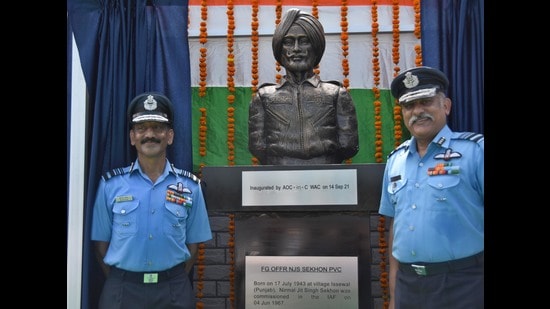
360	60
76	185
359	19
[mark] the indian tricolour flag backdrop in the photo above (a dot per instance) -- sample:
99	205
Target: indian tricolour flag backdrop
211	110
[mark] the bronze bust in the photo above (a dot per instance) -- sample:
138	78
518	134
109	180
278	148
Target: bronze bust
303	119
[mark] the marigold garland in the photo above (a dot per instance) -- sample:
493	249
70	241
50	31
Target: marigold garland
315	8
230	84
378	146
278	15
315	13
344	40
255	39
375	88
200	275
345	50
203	130
417	32
383	249
398	130
203	69
255	44
231	245
203	39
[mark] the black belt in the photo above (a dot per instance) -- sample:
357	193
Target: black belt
425	269
150	276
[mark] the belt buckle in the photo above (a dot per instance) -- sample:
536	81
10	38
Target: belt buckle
150	278
419	269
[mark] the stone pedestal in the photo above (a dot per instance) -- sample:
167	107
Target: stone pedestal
310	212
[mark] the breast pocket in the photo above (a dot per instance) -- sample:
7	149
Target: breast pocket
125	218
396	189
441	185
443	182
175	215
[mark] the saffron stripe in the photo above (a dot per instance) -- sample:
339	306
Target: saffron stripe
301	2
359	19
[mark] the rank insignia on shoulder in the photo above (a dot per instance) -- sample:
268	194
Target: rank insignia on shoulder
186	174
475	137
114	172
404	145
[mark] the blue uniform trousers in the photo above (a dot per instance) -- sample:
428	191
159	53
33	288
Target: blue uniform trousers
457	289
126	290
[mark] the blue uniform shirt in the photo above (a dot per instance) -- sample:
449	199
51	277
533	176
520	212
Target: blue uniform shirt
148	225
436	201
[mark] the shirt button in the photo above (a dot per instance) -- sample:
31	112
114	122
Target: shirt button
411	228
421	164
413	253
123	211
150	236
440	185
413	206
417	185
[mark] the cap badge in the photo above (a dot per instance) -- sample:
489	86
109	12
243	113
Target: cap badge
150	104
410	80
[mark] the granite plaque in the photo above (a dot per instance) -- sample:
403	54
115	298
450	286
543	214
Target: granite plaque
305	282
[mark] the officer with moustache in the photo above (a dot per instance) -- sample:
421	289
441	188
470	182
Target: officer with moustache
433	193
149	218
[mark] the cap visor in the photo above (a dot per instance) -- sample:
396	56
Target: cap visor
150	117
418	94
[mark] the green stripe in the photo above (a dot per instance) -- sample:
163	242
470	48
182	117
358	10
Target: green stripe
216	106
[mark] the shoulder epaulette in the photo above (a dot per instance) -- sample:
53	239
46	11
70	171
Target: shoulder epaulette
187	174
405	144
114	172
475	137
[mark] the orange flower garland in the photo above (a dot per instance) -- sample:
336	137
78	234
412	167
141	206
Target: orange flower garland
384	283
254	38
200	275
315	8
344	39
398	130
278	14
315	13
230	84
383	249
231	245
417	32
375	88
396	36
203	128
345	48
203	38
